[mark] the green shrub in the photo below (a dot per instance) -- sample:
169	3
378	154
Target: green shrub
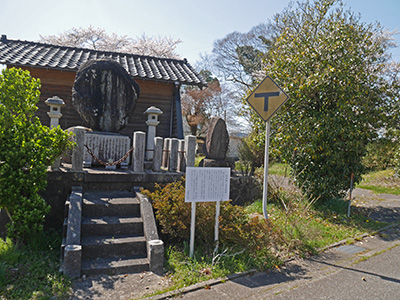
251	156
381	154
31	271
396	162
27	148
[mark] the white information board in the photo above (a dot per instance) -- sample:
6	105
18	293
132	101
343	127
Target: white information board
207	184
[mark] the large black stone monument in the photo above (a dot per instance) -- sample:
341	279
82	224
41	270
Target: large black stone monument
104	95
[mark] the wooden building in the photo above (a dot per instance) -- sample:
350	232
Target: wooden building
160	80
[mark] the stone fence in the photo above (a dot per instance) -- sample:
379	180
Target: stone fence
111	150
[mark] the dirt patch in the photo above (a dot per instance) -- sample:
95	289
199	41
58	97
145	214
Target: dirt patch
118	287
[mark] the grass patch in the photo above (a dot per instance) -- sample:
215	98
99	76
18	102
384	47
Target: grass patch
279	169
31	271
183	271
381	182
308	229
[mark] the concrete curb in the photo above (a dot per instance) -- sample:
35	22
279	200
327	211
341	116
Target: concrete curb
201	285
216	281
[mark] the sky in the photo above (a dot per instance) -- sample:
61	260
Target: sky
197	23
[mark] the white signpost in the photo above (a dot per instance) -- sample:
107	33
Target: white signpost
266	99
205	185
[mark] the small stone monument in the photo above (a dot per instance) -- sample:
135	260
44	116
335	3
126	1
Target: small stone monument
152	121
55	114
216	145
104	95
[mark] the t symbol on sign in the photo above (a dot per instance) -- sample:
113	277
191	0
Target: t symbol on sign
266	98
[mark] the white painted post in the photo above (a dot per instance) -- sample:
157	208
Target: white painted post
192	229
158	151
139	142
351	190
173	155
190	150
216	228
266	162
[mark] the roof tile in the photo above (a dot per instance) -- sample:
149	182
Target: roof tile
24	53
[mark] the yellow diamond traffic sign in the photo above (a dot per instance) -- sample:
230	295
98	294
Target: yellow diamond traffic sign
267	98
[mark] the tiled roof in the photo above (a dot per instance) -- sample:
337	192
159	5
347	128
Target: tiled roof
32	54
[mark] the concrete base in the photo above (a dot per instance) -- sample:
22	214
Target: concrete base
215	163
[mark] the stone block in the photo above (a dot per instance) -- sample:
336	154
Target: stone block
139	144
72	261
173	155
190	150
158	151
77	152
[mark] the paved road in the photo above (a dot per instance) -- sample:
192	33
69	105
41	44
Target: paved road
369	269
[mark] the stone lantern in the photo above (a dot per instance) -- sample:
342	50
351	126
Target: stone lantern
152	121
55	114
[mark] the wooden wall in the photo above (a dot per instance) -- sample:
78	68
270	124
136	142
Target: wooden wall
159	94
59	83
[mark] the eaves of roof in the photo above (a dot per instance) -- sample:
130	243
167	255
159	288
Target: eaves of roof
40	55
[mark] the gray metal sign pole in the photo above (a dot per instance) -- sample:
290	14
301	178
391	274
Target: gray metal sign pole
192	229
266	163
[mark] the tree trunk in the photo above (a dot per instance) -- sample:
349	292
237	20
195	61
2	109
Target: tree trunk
193	129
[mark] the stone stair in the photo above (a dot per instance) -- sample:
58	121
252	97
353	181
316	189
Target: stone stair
112	234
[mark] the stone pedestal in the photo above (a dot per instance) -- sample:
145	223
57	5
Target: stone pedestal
214	163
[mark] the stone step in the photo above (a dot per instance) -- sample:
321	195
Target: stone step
113	246
102	204
111	225
133	264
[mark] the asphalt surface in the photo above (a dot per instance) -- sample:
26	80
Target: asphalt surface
339	273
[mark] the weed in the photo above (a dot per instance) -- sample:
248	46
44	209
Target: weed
30	271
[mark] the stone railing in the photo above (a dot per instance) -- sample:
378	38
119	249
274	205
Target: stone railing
169	154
